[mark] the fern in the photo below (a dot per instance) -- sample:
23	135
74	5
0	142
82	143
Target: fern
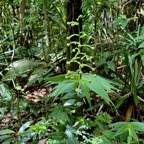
20	67
24	65
60	113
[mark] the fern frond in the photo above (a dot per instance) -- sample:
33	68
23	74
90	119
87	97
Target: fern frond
59	113
23	65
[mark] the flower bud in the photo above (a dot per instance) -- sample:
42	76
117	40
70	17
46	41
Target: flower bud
68	62
68	44
93	69
68	23
92	48
80	16
73	50
68	38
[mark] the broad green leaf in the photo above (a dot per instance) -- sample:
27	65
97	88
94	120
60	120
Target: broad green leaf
142	59
69	134
72	141
98	85
25	126
56	136
78	104
7	131
117	22
121	130
99	90
121	21
69	95
104	83
60	128
141	37
138	72
111	65
106	54
141	45
69	102
109	134
131	37
101	62
133	134
138	126
62	87
3	137
86	93
57	79
136	100
117	125
120	101
8	141
105	140
124	24
129	139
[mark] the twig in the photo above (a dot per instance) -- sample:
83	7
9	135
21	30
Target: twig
140	99
100	109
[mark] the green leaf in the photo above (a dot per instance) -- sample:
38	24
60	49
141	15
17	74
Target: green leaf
106	54
69	95
86	93
99	90
56	79
62	87
8	141
117	125
124	23
7	131
72	141
108	134
121	130
141	37
141	45
121	21
136	100
3	137
56	136
117	22
104	83
25	126
101	62
60	128
133	134
59	113
105	140
120	101
69	102
99	86
138	126
69	134
129	140
111	65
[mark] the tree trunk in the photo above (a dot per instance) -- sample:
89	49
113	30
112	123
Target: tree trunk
74	10
22	21
47	29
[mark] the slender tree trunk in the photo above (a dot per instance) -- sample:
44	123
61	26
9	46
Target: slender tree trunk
26	34
22	21
47	28
74	10
46	19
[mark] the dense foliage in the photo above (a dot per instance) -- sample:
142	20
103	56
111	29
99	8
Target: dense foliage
71	72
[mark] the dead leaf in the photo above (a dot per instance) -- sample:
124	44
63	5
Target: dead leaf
43	141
